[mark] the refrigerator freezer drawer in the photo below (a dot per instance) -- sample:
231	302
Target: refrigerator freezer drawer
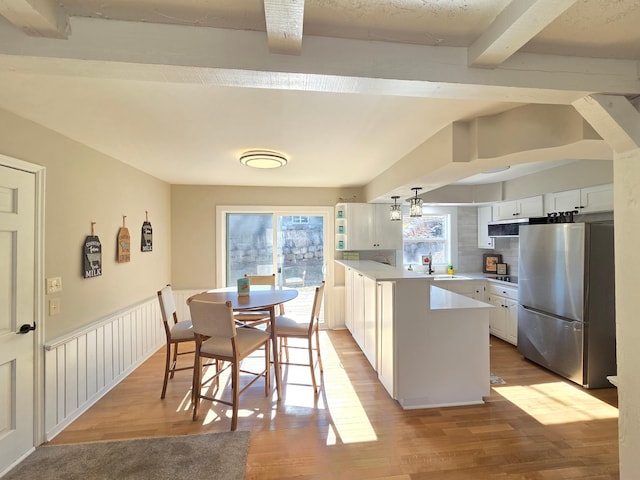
552	342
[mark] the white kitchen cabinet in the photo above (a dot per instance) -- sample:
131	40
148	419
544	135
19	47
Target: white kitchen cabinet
561	201
503	321
497	318
485	215
522	208
348	299
366	226
598	198
358	309
370	332
469	288
511	320
386	315
360	312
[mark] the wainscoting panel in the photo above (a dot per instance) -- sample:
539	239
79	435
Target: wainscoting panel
82	367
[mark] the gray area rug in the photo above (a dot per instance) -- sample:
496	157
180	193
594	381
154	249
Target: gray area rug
495	379
220	456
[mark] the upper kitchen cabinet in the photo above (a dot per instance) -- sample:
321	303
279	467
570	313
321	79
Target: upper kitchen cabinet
522	208
366	226
485	215
598	198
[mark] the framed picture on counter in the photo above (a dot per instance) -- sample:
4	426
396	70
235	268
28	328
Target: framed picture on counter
490	262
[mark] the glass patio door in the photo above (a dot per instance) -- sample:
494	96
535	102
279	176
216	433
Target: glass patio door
291	246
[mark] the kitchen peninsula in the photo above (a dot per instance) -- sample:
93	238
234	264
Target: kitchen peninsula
429	346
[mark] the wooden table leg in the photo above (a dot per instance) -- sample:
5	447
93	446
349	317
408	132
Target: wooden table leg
274	348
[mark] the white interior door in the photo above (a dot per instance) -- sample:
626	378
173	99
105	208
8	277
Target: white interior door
17	263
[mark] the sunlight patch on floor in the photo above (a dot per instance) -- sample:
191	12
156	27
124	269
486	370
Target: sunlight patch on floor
557	403
350	423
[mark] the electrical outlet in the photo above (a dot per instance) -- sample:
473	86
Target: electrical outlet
54	306
54	285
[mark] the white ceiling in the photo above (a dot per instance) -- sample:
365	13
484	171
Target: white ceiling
345	88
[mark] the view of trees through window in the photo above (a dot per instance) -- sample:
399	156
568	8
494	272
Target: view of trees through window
423	236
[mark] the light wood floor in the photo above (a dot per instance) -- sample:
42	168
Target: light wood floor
536	426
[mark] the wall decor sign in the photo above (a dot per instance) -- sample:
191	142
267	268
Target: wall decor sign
124	243
146	239
92	255
490	262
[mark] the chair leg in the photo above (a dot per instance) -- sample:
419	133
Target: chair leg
318	350
197	385
267	366
236	395
166	370
311	365
174	360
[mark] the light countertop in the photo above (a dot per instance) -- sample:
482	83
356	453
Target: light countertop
381	271
442	299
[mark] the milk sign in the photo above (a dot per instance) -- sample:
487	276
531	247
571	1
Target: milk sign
92	258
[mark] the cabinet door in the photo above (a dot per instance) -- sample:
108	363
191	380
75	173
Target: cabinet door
596	199
387	234
370	328
484	217
386	311
348	299
497	320
530	207
562	201
358	310
505	210
479	292
359	226
511	320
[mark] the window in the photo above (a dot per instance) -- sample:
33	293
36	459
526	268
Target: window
433	233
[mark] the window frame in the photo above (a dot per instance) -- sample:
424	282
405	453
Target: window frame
451	234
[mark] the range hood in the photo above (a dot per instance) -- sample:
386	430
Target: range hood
506	228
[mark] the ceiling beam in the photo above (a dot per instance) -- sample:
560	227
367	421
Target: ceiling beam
209	56
284	25
615	119
518	23
38	18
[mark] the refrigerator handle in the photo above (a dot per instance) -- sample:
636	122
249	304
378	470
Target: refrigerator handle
545	314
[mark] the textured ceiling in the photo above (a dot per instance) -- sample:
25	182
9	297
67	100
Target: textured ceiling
187	110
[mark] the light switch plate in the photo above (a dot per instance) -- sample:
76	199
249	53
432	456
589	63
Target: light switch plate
54	285
54	306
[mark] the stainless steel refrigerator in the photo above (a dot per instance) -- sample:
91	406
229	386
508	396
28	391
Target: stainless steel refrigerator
566	293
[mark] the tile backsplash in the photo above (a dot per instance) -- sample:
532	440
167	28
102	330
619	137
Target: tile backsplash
470	256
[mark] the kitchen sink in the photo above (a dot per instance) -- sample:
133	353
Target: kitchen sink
451	277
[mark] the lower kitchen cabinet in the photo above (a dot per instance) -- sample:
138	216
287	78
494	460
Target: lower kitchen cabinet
469	288
360	312
503	321
386	314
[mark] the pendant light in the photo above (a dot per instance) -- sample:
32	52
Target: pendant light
415	204
396	210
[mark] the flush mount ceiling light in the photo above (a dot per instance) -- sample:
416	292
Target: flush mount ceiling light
415	204
263	159
396	209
